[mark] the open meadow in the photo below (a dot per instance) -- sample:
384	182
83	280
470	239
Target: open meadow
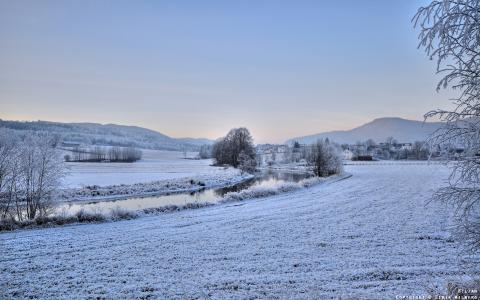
154	165
368	236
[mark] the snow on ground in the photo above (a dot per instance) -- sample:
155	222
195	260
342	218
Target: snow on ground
290	167
155	165
219	177
370	236
159	172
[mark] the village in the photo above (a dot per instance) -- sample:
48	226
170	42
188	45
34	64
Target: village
271	154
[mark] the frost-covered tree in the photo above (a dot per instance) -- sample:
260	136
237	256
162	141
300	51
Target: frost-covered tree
8	170
205	151
131	154
325	158
227	150
450	35
97	154
390	141
246	162
419	151
30	173
42	169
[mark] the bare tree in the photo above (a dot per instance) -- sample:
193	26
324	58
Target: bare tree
30	173
97	154
325	158
246	162
390	141
370	144
205	152
131	154
8	160
114	153
42	169
419	151
450	35
228	149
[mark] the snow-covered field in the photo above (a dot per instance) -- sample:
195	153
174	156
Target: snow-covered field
159	172
370	236
155	165
218	177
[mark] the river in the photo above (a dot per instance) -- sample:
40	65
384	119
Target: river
263	179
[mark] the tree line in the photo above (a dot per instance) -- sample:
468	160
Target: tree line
237	149
391	150
103	154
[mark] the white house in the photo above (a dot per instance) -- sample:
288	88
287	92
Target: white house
347	154
268	154
406	146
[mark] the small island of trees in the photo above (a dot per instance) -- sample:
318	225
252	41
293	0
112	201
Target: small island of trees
104	154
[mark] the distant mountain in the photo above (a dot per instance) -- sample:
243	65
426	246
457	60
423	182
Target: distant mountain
379	130
108	134
196	141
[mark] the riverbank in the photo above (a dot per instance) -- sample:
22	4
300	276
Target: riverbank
96	193
116	212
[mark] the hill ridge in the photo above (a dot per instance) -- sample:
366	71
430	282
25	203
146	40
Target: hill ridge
379	129
105	134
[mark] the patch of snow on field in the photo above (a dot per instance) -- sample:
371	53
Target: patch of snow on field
364	237
155	165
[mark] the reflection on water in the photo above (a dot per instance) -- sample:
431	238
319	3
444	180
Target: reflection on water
265	179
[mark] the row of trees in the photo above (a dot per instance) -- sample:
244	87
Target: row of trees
323	156
30	172
99	154
237	149
390	149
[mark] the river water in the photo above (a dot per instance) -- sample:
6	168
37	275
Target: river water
264	179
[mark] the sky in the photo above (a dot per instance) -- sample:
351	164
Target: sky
198	68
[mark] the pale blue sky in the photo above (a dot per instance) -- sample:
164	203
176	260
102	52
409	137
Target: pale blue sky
198	68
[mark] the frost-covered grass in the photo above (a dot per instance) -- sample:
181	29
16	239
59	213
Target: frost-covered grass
81	216
262	191
116	213
113	192
119	213
175	207
368	237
